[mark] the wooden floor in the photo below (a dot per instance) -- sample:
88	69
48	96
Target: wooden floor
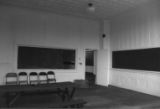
103	97
117	98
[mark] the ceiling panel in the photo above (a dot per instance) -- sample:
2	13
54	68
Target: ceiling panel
104	9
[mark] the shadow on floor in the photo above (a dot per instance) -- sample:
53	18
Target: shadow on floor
117	98
103	97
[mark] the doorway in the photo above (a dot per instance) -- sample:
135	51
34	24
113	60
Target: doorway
90	67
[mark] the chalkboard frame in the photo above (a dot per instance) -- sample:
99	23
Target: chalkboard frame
137	59
69	62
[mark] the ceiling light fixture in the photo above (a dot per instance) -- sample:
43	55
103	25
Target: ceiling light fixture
91	7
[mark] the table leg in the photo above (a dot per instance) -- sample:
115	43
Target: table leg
69	93
10	99
7	99
66	93
61	93
72	92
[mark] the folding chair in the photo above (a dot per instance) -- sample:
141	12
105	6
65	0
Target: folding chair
33	78
11	78
23	78
51	77
42	78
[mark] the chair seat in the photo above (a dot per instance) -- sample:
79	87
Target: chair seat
11	83
11	78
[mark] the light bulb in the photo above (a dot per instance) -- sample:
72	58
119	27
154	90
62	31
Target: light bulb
91	8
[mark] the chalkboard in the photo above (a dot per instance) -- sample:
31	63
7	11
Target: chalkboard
45	58
140	59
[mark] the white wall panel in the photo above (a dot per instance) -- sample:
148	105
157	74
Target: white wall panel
63	28
90	35
102	76
146	82
6	47
29	29
136	29
106	31
5	40
45	29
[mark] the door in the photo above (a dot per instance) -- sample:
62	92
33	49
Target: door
102	77
90	73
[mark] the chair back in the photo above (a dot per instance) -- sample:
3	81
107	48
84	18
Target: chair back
51	77
33	78
42	77
11	78
23	78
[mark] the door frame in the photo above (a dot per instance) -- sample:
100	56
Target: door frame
94	61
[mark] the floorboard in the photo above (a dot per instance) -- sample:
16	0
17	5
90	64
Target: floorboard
101	97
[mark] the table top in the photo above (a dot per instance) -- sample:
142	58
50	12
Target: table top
51	86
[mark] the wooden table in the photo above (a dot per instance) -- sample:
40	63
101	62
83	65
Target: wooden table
65	90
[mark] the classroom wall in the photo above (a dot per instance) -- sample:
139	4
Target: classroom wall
20	26
103	56
136	29
107	47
